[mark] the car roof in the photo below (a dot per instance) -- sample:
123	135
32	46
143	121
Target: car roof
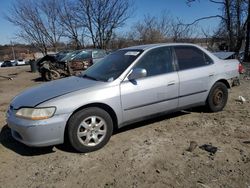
149	46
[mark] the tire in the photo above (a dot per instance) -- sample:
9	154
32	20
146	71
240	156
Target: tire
54	75
217	98
49	75
43	75
89	129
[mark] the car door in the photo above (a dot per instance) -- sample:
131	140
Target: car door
155	93
195	74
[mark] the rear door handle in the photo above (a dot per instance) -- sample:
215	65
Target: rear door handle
211	74
171	83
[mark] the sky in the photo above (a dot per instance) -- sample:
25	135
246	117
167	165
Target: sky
177	8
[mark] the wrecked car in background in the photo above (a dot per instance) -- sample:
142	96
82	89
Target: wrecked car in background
225	55
129	85
67	64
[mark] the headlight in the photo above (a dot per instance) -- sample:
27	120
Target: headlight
36	113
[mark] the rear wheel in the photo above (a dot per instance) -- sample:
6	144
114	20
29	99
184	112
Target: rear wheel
217	97
89	129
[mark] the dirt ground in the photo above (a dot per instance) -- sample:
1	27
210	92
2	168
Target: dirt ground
148	154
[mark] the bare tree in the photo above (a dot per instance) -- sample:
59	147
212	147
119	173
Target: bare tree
50	14
181	32
102	17
161	29
26	16
38	22
233	22
73	28
151	29
148	31
246	50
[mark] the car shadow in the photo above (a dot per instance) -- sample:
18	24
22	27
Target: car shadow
150	121
39	79
9	142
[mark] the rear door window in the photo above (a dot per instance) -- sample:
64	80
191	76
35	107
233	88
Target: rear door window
191	57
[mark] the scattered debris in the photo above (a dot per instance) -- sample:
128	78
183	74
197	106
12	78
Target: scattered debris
7	77
246	142
236	82
147	142
246	78
157	171
192	146
202	184
209	148
244	156
242	99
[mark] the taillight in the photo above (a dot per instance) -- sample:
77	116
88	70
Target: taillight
240	68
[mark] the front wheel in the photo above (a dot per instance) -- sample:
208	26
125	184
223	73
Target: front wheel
49	75
217	97
54	75
89	129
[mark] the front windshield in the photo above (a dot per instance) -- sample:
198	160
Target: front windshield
112	66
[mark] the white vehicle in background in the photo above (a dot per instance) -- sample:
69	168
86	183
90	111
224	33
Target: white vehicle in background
20	62
13	62
1	62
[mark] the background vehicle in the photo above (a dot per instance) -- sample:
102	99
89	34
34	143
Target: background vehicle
225	55
53	67
70	64
52	58
14	62
20	62
241	56
8	64
129	85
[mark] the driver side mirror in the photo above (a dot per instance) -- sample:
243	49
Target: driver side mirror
137	73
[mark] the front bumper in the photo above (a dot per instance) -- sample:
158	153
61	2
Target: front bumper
38	133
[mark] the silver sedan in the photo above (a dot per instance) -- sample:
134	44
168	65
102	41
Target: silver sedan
127	86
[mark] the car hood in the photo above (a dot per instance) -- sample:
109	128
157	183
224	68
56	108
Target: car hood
36	95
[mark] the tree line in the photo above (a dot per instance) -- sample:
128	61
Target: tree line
234	26
46	23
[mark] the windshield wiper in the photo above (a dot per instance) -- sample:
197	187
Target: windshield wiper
89	77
